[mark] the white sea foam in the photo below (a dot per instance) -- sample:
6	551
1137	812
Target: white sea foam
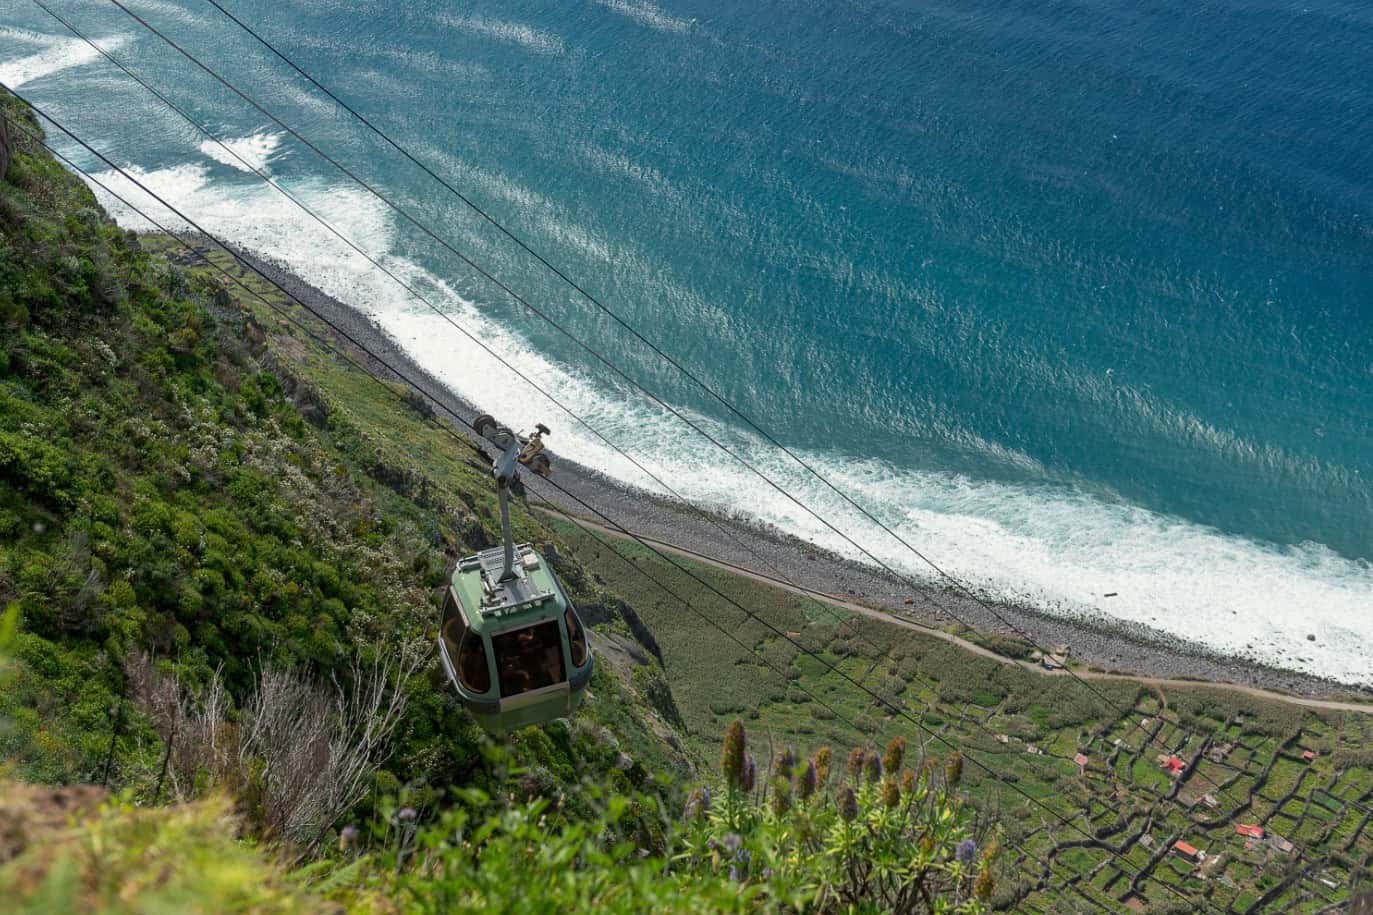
1056	547
254	151
516	33
163	9
648	14
56	54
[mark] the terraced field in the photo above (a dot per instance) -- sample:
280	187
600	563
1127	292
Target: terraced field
1099	837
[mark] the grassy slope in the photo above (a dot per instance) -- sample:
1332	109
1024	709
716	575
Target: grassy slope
183	475
948	690
182	471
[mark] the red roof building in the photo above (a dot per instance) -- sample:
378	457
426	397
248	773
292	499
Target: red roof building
1253	832
1080	759
1307	755
1172	764
1187	851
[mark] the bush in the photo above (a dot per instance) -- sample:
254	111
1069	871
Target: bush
866	843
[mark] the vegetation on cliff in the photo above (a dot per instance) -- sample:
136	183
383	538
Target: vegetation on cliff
220	550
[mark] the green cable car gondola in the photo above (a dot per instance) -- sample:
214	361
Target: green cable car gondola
510	640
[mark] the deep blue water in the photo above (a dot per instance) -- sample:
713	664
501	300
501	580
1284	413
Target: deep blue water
1079	294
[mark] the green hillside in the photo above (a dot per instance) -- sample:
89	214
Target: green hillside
221	548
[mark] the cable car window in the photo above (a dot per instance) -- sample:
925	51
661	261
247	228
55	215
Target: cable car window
464	648
472	669
576	637
529	658
454	624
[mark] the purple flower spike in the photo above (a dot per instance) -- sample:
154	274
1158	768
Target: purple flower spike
967	850
406	815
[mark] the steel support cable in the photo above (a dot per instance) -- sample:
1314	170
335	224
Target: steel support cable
609	312
509	291
287	315
1353	804
538	312
416	294
481	212
1063	821
839	715
631	381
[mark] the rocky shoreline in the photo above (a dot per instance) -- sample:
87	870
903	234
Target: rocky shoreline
1100	643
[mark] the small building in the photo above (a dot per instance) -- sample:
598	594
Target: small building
1308	755
1210	801
1188	852
1146	840
1278	843
1081	760
1220	751
1033	750
1253	832
1171	764
1002	738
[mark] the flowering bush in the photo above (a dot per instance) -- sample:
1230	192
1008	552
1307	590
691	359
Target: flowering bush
886	839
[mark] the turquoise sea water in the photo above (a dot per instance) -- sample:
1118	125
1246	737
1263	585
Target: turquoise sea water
1077	296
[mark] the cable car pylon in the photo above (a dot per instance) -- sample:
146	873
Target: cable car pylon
511	641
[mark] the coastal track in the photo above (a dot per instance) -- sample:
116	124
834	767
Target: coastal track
1160	683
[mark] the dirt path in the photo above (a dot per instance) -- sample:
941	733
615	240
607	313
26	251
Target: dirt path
1159	683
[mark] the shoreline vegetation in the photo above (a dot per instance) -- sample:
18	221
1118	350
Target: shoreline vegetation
1096	647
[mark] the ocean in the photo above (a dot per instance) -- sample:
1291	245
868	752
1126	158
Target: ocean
1076	297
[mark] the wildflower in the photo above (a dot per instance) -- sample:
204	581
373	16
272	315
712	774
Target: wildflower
908	782
750	774
982	888
895	755
891	794
732	757
872	768
697	805
848	804
856	764
346	836
786	760
807	782
406	815
781	797
822	766
967	850
953	769
767	873
733	842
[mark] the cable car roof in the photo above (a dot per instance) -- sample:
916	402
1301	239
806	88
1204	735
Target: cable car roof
491	604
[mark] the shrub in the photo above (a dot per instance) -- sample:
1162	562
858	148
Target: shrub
899	843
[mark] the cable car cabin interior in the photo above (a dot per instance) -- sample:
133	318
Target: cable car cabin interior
515	649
